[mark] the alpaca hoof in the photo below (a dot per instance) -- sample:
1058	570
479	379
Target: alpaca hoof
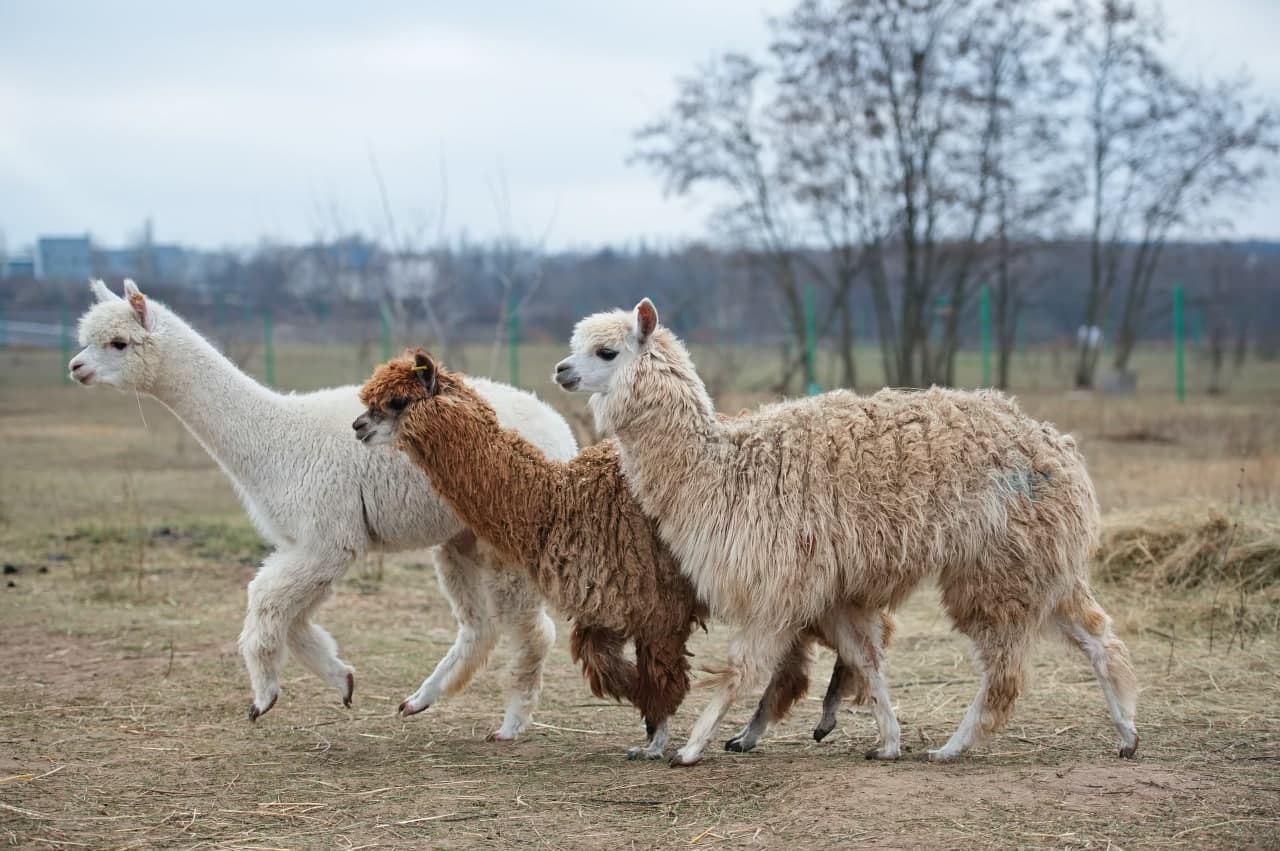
255	713
638	753
351	690
820	732
1128	751
500	736
738	745
407	708
938	757
881	754
678	761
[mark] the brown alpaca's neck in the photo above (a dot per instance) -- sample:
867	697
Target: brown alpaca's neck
498	483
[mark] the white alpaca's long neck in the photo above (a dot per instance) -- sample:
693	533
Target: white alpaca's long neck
219	404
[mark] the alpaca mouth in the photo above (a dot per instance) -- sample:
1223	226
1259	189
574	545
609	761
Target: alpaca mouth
569	383
83	377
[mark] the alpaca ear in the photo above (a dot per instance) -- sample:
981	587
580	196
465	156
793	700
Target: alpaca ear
646	320
100	291
425	369
137	301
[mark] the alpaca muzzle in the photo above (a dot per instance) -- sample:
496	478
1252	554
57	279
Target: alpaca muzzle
565	376
363	427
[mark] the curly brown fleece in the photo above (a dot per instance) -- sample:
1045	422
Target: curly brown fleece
590	549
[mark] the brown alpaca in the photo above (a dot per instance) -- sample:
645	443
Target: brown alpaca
590	550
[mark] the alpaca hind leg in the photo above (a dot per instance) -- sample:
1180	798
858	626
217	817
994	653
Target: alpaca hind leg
1084	623
287	586
754	654
859	639
524	620
788	684
843	679
1002	654
462	579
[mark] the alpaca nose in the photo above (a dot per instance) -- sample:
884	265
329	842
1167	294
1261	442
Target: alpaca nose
561	367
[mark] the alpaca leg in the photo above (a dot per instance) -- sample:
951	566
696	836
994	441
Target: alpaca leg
788	684
754	654
316	649
662	683
859	638
1002	654
288	585
840	678
525	621
462	579
1085	624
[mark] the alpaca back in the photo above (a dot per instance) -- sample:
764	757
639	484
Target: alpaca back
865	496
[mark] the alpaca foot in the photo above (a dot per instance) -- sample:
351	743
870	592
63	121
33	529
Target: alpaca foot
257	709
823	730
883	752
684	760
501	735
939	756
408	707
1128	751
644	752
351	689
740	743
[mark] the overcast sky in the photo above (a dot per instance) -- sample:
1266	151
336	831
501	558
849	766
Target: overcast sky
226	122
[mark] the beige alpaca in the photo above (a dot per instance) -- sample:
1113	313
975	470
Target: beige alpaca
588	547
811	508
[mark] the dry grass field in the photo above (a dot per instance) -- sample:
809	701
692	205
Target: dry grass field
122	717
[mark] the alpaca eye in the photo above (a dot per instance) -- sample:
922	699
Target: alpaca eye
397	404
119	345
606	354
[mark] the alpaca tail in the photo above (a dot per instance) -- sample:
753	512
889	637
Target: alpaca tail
608	672
1084	623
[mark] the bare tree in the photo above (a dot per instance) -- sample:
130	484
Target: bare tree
1205	151
719	135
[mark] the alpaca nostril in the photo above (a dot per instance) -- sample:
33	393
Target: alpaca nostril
561	368
75	367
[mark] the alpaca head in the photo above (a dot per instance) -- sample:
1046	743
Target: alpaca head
605	346
413	385
118	338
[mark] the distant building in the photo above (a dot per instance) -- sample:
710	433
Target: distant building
64	258
19	268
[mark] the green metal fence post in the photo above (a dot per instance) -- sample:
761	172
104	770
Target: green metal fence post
984	316
513	343
64	320
268	348
810	345
1179	376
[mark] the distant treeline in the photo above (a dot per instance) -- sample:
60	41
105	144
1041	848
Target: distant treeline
1232	288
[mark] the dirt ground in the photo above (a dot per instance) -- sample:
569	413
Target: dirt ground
123	717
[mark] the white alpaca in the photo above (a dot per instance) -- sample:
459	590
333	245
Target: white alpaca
322	501
817	510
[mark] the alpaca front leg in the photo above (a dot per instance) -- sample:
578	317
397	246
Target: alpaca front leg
274	603
316	649
753	655
859	638
659	735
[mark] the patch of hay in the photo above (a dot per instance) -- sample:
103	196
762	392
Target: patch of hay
1189	547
